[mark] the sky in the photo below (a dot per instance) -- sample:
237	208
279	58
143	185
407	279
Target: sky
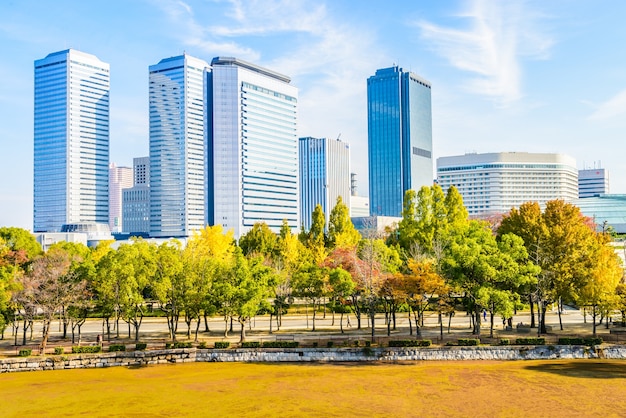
523	76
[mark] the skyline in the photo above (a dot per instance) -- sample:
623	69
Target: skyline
527	77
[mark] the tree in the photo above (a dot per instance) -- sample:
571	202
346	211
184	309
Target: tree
259	240
170	285
421	284
315	239
341	287
341	231
309	283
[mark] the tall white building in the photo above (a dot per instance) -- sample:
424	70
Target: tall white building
324	176
252	147
593	182
177	153
496	182
71	141
119	178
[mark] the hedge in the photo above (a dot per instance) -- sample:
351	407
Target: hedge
530	341
59	350
250	344
178	344
141	346
86	349
410	343
280	344
580	341
117	347
25	352
202	345
222	344
468	342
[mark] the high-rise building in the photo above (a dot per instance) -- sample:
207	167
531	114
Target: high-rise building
399	123
324	176
119	178
252	147
136	199
177	153
71	141
593	182
496	182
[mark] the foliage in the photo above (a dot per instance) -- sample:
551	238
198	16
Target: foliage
59	350
221	344
410	343
341	231
79	349
280	344
117	347
141	346
25	352
580	341
250	344
530	341
468	342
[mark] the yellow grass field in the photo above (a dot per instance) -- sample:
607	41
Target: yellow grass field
435	389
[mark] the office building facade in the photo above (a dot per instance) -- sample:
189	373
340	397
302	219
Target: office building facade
136	200
494	183
71	140
324	176
399	122
593	182
177	146
120	178
252	147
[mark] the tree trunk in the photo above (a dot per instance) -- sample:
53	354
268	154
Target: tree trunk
450	320
225	327
206	323
594	313
314	311
491	324
532	311
476	329
270	323
242	335
543	329
410	321
341	322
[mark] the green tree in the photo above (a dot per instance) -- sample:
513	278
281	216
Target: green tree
259	240
341	231
309	283
170	285
315	239
341	287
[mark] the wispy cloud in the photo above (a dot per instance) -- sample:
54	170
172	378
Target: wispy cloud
615	106
499	36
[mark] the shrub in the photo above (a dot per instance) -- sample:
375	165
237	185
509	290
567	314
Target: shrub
468	342
329	344
222	344
410	343
202	345
356	343
315	344
25	352
77	349
368	343
168	346
580	341
280	344
180	344
368	351
141	346
58	350
505	341
530	341
117	347
250	344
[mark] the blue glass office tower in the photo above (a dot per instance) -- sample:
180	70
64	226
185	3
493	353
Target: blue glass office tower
71	141
399	122
177	153
324	176
252	147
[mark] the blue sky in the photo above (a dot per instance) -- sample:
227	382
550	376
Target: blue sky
531	76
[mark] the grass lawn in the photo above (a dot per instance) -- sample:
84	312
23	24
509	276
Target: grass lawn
568	388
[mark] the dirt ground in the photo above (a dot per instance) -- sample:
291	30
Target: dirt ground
436	389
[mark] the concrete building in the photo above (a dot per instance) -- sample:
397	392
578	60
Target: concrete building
252	147
136	200
593	182
71	140
324	176
177	146
496	182
399	127
359	205
119	178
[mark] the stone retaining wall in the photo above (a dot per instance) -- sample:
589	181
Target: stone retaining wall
190	355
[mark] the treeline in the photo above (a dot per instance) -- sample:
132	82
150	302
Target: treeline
434	259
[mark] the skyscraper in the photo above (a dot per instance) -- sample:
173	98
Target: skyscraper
593	182
324	176
136	200
177	154
71	140
119	178
252	147
399	123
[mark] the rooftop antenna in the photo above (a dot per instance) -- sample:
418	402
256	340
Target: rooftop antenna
338	136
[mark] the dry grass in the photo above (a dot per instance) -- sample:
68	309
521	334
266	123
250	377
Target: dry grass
446	389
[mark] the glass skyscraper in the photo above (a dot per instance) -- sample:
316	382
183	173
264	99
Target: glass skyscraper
177	150
324	176
71	141
252	147
399	122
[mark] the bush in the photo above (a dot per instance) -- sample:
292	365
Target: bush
530	341
25	352
250	344
368	351
58	350
368	343
465	342
86	349
356	343
505	341
315	344
180	344
580	341
202	345
141	346
168	346
410	343
280	344
117	347
222	344
329	344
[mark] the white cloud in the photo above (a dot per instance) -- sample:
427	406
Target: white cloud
499	35
615	106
